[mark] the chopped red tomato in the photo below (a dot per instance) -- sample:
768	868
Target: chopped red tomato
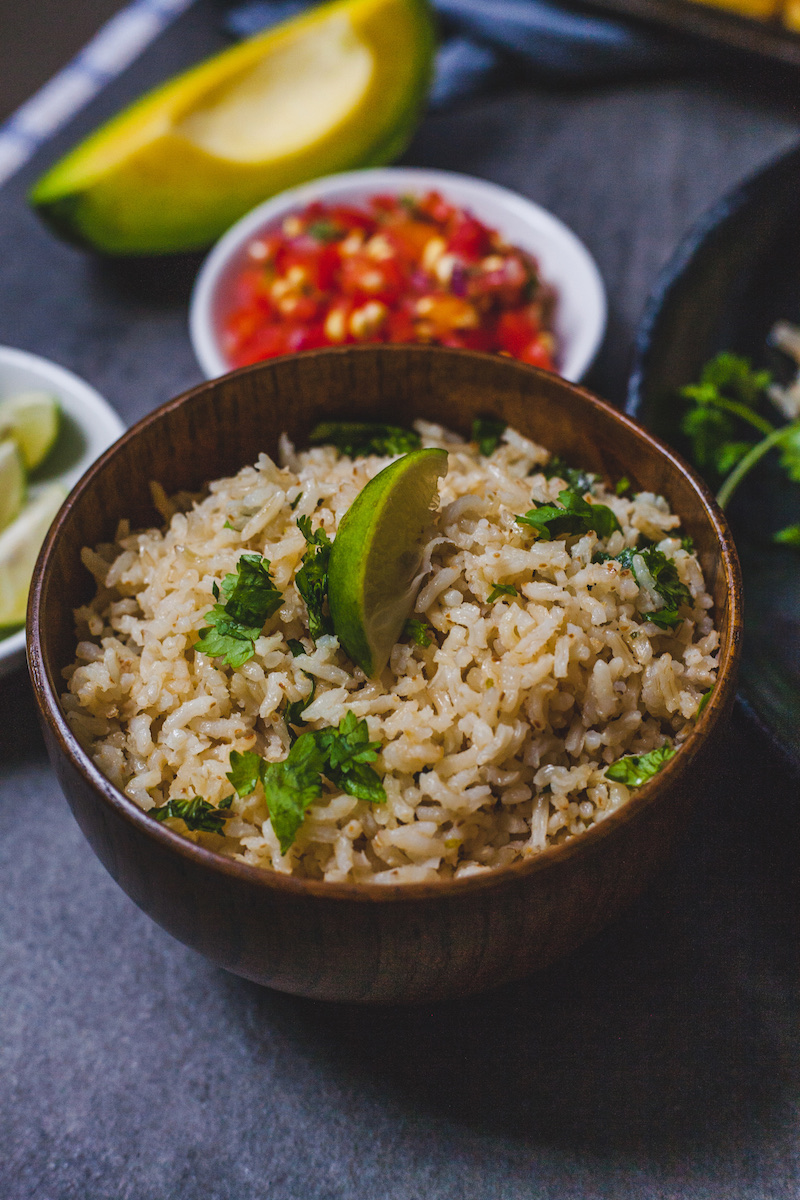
401	269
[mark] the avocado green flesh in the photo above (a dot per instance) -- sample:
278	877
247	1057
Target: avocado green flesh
156	180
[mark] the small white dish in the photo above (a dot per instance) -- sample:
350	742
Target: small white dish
88	427
565	262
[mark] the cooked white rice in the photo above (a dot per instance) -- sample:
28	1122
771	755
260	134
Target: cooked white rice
494	739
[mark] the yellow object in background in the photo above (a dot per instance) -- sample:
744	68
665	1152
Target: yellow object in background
762	10
337	88
791	15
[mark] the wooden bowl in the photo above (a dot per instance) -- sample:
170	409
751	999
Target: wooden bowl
369	942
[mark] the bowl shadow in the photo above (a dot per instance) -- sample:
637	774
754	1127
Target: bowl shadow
669	1032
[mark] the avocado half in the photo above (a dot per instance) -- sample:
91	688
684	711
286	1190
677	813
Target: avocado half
337	88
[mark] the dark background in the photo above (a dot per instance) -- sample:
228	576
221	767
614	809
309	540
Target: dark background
39	36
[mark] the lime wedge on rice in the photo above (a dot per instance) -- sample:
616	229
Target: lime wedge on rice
376	556
31	419
12	482
19	549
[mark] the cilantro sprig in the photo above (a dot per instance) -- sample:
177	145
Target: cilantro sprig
723	406
312	578
634	770
342	755
198	814
360	438
501	589
233	626
573	516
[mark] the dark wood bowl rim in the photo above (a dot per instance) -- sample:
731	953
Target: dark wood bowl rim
47	695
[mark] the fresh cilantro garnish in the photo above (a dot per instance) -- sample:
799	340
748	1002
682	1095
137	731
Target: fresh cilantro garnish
704	699
244	772
198	814
687	544
291	786
296	501
342	755
790	536
348	753
622	486
359	438
651	562
636	769
501	589
312	578
297	648
487	431
417	631
575	516
578	480
296	708
325	231
250	598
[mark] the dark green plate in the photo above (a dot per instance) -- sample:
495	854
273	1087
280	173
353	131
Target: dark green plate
733	276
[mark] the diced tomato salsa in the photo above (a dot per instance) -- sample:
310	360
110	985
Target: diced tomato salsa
400	269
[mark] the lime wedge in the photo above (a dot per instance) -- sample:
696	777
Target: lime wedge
12	482
19	548
376	557
31	419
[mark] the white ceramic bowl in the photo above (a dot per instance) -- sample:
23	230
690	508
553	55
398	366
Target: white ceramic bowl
565	262
88	426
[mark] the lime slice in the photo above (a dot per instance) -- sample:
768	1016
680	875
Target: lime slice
12	482
31	419
376	557
19	548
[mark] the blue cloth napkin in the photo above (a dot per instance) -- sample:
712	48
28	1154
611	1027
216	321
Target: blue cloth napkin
549	41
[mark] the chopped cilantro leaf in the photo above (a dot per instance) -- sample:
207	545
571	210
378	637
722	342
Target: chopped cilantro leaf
359	438
501	589
653	567
341	754
417	631
296	501
662	571
244	772
622	486
250	598
635	769
578	480
487	431
348	752
198	814
790	536
297	648
704	699
575	516
291	786
687	544
250	594
312	578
